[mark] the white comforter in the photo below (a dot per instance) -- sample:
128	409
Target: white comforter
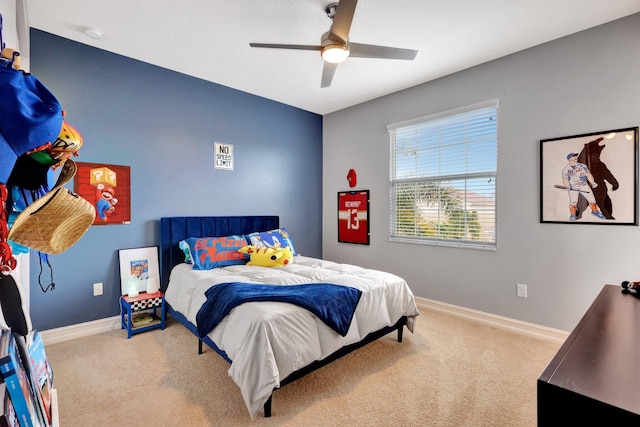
267	341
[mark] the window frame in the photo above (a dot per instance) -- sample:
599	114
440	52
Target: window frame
394	236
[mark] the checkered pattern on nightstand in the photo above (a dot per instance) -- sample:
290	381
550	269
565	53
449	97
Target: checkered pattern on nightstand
147	303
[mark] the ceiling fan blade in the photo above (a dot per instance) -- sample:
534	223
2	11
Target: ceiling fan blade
342	21
358	50
328	71
287	46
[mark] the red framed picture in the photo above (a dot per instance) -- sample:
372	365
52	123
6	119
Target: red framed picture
108	187
353	217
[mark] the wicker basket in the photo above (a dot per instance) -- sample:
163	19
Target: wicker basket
57	220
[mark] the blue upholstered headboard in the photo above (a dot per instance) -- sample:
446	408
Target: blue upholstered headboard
175	229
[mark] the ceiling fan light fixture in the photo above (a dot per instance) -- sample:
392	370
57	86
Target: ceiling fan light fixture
335	53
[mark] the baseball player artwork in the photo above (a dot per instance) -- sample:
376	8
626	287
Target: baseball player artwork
590	178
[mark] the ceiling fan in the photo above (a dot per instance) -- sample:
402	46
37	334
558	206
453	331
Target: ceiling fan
335	46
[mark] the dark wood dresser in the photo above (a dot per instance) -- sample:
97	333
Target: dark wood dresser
595	376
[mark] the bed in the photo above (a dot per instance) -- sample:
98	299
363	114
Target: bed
272	343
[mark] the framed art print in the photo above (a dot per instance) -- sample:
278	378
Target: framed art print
139	269
590	178
108	187
353	217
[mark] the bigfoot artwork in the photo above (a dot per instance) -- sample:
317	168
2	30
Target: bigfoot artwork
590	156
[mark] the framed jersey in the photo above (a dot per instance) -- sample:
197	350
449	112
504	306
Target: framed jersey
353	217
590	178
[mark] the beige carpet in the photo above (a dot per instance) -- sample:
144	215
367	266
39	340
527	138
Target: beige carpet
450	372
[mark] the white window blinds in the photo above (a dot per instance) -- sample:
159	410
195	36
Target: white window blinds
443	178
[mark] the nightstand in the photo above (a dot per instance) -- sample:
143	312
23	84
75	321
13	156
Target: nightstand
140	313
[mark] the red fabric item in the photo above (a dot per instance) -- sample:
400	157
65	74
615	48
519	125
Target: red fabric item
352	178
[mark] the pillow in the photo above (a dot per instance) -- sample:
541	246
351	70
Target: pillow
268	257
184	246
267	239
213	252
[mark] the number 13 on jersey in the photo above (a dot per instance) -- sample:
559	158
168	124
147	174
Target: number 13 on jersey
353	217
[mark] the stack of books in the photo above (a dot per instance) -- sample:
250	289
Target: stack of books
27	381
140	320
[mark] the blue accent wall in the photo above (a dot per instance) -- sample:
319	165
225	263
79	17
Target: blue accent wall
163	125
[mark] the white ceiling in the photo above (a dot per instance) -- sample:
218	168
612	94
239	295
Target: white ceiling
209	39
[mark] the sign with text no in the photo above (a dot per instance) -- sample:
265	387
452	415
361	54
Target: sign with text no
223	156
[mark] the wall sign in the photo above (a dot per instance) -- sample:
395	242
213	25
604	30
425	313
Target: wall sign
223	154
353	217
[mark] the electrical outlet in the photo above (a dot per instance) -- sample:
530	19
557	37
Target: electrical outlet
97	289
521	290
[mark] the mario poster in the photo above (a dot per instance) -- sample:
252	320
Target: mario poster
108	187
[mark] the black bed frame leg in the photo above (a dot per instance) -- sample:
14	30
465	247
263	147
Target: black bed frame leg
199	346
401	323
267	407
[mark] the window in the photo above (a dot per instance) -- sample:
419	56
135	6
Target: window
443	178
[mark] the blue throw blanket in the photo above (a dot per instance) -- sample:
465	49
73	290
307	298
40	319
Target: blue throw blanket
333	304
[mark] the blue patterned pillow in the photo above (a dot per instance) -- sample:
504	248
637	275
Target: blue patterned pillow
267	239
186	250
213	252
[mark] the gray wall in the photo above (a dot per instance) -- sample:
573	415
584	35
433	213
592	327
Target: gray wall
587	82
163	125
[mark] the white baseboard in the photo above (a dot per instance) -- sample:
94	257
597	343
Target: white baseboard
52	336
66	333
505	323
